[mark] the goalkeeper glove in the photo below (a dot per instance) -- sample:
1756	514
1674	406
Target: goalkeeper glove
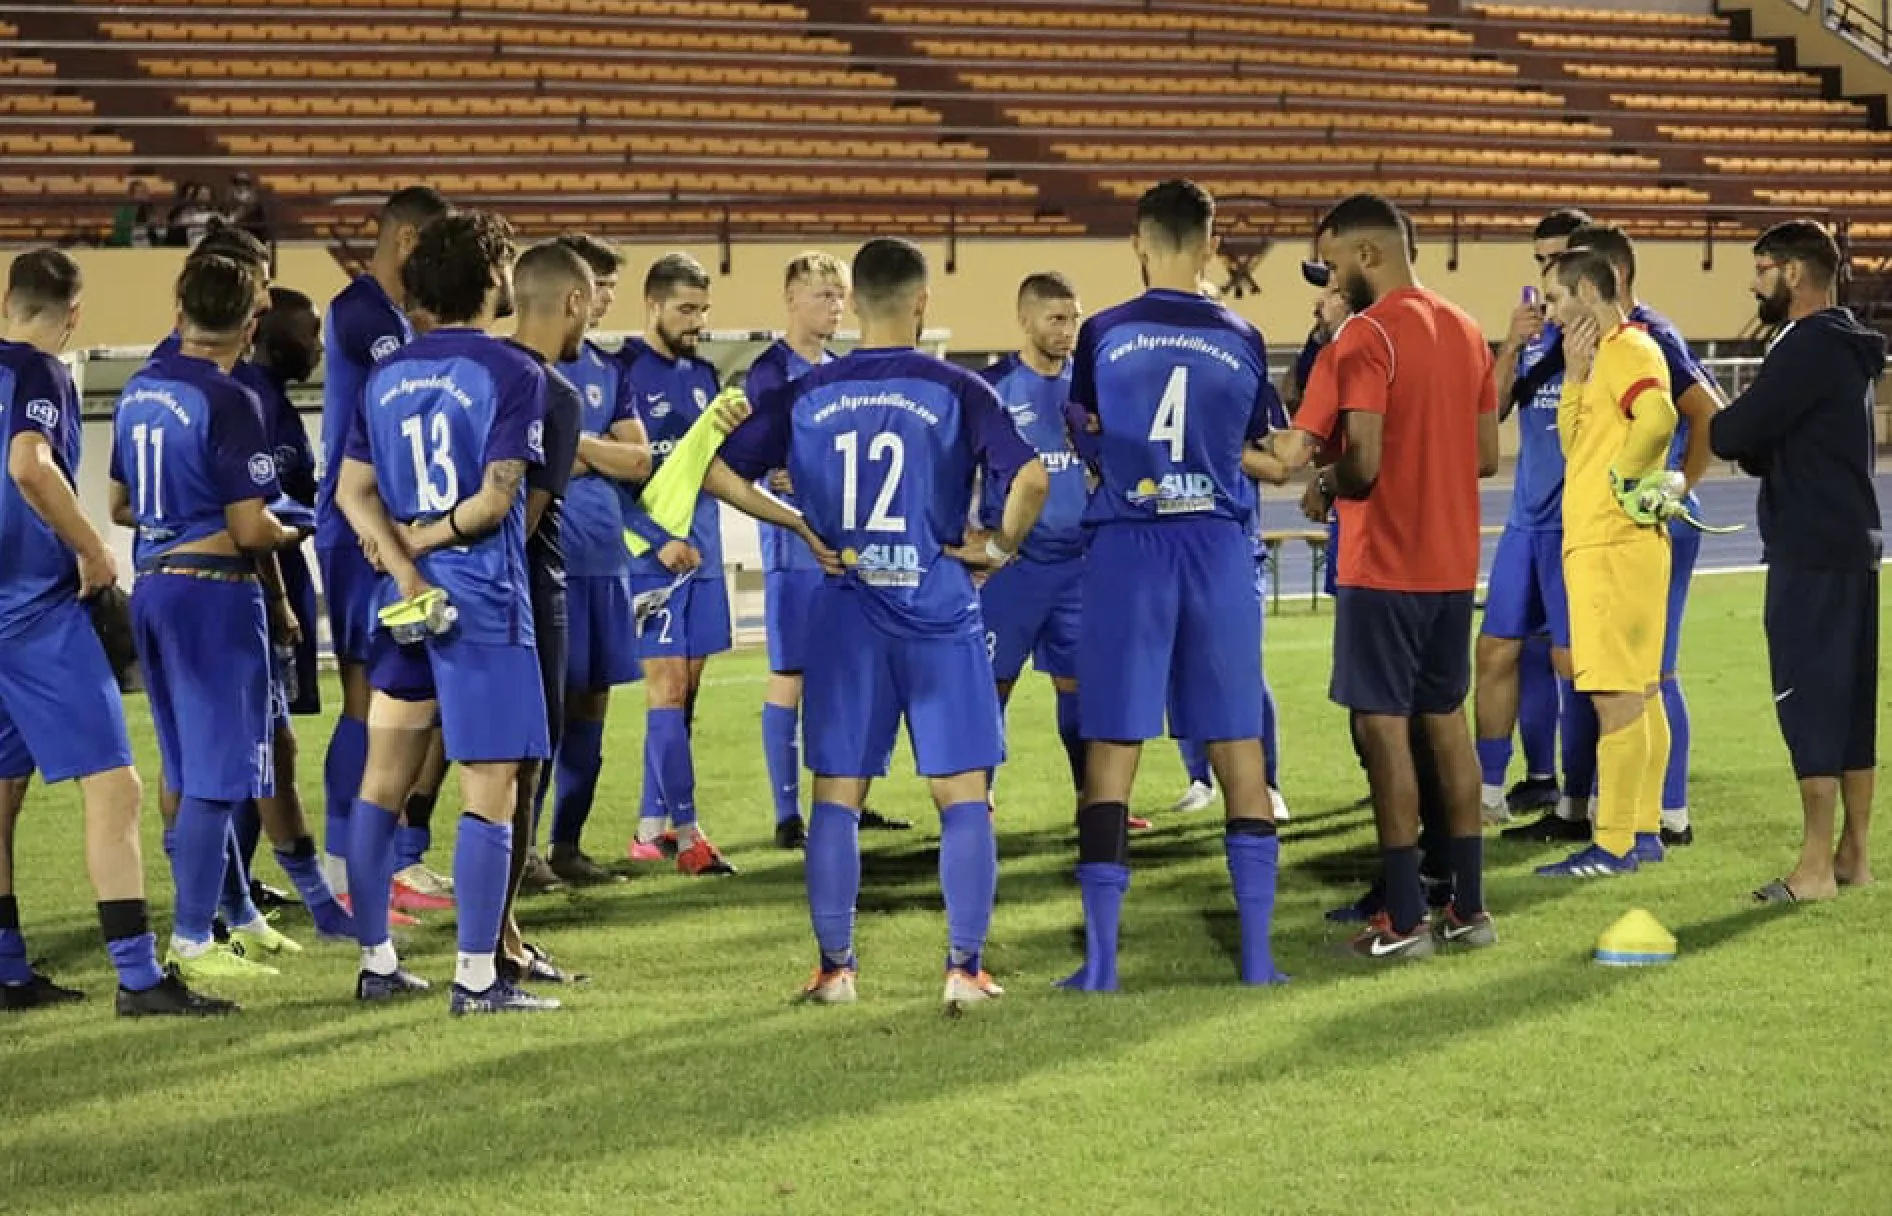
1650	501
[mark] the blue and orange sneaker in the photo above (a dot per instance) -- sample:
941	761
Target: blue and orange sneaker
1649	849
829	986
1594	861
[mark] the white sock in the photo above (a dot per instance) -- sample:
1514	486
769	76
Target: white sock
1675	820
650	830
1492	795
380	959
686	836
475	972
184	947
258	926
335	869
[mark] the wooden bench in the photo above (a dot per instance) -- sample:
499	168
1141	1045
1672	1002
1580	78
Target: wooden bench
1274	540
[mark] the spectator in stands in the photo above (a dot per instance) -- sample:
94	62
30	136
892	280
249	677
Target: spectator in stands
243	207
135	223
190	216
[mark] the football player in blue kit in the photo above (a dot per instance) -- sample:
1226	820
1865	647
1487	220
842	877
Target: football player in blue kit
434	482
673	388
881	446
613	453
366	322
1179	388
192	471
60	711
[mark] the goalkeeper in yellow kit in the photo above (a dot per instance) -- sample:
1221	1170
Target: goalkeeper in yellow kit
1616	420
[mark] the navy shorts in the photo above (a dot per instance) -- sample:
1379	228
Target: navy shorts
551	641
692	624
353	590
299	586
1172	626
1525	595
787	601
1823	653
856	691
602	633
1033	610
1402	652
204	647
492	703
60	710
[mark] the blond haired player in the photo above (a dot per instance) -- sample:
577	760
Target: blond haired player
1616	420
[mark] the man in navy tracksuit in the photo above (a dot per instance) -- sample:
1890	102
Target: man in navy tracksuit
1805	428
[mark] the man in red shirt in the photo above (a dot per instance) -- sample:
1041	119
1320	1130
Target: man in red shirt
1405	397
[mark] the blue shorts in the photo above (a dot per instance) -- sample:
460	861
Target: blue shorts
1174	623
204	647
855	693
692	624
300	588
1525	595
602	633
1684	551
492	703
787	599
60	710
1402	652
1033	609
353	588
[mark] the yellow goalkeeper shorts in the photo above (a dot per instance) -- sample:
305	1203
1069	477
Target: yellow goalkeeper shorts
1619	598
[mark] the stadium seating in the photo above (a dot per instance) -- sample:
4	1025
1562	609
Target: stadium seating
979	117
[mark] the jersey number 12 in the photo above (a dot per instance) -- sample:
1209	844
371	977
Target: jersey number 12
1172	414
884	445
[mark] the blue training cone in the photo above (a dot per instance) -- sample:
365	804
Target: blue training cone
1636	940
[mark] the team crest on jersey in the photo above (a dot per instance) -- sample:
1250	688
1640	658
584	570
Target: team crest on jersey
535	437
384	346
1175	494
702	398
262	469
42	411
594	396
1022	415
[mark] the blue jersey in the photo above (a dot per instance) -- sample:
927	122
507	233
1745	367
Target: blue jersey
774	367
1180	386
37	396
288	446
433	416
1277	421
1036	404
593	526
671	395
1537	487
363	327
1684	370
882	446
187	442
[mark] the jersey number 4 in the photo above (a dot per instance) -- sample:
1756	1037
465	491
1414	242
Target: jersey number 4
1172	414
884	446
433	499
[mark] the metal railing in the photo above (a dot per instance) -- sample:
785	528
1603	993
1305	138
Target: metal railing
1864	23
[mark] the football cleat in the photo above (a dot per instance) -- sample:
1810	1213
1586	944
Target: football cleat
965	988
1676	837
664	848
874	821
1548	828
268	898
1593	862
500	998
791	833
579	868
538	877
171	998
1533	794
1380	943
397	919
1198	797
1648	849
261	940
1137	823
829	987
219	962
407	898
374	986
703	858
36	992
425	879
1474	933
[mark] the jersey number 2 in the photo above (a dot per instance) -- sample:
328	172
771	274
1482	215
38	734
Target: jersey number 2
441	458
1172	414
884	445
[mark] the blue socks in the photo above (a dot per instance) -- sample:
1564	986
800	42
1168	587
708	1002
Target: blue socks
1675	780
126	927
1102	886
1068	734
248	822
482	856
341	780
575	779
653	801
1195	758
234	901
371	870
14	969
1579	743
1254	863
203	835
833	869
668	736
1494	760
784	762
1537	710
969	879
305	874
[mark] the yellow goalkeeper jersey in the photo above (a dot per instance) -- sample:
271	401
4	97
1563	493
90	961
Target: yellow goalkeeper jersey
1627	378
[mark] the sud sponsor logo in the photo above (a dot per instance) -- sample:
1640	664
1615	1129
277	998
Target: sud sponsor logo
1175	494
881	565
